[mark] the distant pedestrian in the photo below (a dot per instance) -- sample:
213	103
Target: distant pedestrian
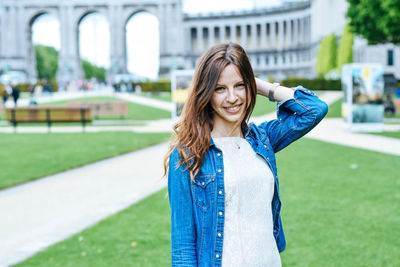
4	93
15	94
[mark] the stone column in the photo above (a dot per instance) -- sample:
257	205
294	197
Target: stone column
273	35
69	63
222	33
243	37
281	35
301	31
295	33
200	39
233	33
211	36
263	36
254	36
289	32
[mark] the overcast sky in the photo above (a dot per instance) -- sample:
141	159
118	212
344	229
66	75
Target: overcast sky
142	52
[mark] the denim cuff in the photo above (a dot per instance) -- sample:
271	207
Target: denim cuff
295	104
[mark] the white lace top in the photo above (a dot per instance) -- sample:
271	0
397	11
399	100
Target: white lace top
249	188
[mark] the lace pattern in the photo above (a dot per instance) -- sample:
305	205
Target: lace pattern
249	187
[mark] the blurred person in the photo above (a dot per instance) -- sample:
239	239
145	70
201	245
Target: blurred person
15	94
4	93
222	178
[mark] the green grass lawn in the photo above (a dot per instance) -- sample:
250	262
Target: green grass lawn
335	109
263	106
389	134
340	208
26	157
165	96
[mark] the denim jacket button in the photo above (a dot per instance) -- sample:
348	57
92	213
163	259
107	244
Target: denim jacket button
203	183
220	192
217	256
265	146
218	154
219	234
275	231
219	170
267	158
220	213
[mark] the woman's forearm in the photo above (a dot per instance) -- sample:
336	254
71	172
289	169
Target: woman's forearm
274	91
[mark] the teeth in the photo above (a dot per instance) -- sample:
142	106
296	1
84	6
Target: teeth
233	108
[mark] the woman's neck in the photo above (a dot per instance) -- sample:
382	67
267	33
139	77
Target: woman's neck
219	132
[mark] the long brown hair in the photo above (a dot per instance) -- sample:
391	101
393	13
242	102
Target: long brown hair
193	131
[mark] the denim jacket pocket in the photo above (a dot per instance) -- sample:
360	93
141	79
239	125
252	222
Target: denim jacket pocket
203	189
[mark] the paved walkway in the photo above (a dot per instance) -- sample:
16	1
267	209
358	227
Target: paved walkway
51	209
38	214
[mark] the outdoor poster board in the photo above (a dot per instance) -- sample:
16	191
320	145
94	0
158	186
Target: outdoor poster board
180	83
362	107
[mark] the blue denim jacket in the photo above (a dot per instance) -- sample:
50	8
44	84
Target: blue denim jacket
197	208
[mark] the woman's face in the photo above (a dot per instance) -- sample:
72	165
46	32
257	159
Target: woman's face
228	100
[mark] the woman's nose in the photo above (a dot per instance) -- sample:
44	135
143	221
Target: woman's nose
232	97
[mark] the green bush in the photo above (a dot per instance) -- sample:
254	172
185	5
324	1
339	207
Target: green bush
345	50
326	58
313	84
159	86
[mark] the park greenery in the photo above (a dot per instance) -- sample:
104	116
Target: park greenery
330	56
47	65
93	71
46	62
375	20
326	58
339	214
21	154
345	50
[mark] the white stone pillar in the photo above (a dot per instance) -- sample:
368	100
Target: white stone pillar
233	33
243	37
280	35
289	33
222	34
200	39
211	34
254	36
263	36
273	35
301	31
295	33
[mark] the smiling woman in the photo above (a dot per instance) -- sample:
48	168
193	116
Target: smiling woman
222	177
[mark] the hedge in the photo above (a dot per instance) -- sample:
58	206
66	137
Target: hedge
24	87
314	84
159	86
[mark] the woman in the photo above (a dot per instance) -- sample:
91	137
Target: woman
222	178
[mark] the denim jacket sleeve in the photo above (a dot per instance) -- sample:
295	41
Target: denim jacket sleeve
183	233
296	117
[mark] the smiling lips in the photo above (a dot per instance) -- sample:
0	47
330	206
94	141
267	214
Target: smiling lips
233	109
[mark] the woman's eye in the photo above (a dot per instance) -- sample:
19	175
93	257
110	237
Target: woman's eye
240	85
219	88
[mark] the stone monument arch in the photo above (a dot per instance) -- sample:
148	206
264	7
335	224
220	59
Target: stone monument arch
17	17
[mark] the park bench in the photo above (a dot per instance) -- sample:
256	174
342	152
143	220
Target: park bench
103	108
48	114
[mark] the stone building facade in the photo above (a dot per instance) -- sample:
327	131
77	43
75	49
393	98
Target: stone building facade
280	41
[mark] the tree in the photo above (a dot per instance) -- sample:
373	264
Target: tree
345	50
326	59
92	71
46	62
375	20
